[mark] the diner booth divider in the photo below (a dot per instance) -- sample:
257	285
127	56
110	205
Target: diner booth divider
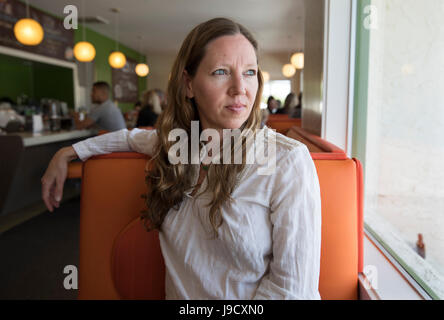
282	122
119	259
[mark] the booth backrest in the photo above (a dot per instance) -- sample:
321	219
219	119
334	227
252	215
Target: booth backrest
120	260
75	168
281	122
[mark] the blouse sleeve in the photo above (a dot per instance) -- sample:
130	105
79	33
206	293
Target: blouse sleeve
138	140
296	220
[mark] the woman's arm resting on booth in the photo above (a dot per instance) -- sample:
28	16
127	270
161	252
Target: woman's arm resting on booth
55	176
137	140
296	219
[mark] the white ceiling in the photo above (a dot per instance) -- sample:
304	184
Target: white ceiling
278	25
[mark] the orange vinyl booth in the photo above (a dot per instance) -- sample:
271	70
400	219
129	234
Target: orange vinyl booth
282	123
120	260
75	168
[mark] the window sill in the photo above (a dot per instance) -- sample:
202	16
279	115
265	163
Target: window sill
387	277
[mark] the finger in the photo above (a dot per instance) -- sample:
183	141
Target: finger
59	189
48	204
52	198
46	194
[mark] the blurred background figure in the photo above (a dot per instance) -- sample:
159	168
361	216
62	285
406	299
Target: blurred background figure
162	97
105	114
132	115
151	109
272	105
292	106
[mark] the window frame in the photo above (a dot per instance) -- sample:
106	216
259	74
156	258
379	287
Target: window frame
347	127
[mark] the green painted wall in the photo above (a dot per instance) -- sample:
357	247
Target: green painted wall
53	82
15	77
34	79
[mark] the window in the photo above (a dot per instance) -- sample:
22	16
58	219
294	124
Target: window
403	141
279	89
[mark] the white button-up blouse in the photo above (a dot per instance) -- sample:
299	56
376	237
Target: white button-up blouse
268	246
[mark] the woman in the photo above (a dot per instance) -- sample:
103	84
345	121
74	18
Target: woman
292	106
151	109
226	231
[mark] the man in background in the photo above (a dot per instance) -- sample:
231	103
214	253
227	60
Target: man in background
105	114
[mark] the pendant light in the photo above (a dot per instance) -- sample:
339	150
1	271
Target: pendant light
141	69
117	59
28	31
297	60
288	70
84	51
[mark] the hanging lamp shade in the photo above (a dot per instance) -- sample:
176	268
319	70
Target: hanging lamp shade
117	59
288	70
28	32
84	51
266	76
297	60
142	69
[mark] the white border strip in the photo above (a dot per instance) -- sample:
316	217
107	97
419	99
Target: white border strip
351	78
324	110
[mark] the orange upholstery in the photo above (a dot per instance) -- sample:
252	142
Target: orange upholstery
282	123
339	248
75	170
319	148
120	260
112	186
132	262
278	116
341	183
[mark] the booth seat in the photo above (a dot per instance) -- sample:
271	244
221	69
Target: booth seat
120	260
282	123
341	183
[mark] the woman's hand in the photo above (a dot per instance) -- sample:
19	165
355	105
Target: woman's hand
55	176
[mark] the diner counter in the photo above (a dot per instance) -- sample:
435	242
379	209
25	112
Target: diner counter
24	158
33	139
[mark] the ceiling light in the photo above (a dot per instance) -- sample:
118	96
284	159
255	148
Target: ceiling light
142	69
83	50
117	59
288	70
297	60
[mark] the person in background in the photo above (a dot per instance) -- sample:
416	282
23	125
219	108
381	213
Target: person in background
150	111
7	100
292	106
132	115
162	97
272	105
105	114
138	106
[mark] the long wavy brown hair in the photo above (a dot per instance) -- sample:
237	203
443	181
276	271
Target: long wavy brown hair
168	183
